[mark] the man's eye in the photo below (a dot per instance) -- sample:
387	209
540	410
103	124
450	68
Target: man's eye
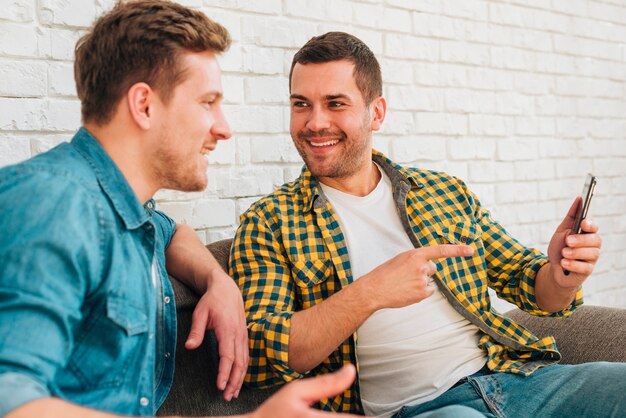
335	104
299	104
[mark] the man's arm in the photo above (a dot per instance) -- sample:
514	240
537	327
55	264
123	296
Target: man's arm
316	332
289	342
220	308
292	401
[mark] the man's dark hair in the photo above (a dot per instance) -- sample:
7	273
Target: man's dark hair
139	41
336	46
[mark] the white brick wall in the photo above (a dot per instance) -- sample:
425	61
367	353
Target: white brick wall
520	98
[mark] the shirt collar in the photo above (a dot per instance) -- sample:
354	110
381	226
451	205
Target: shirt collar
311	190
111	180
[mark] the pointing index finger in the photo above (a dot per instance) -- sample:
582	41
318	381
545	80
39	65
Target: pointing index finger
446	251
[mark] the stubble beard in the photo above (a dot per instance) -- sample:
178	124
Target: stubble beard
176	172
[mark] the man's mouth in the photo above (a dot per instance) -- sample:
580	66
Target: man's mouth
323	144
205	150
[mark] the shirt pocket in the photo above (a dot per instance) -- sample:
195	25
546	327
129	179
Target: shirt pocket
458	233
308	273
112	341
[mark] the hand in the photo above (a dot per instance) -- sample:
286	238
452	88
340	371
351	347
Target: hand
221	309
295	399
577	253
404	279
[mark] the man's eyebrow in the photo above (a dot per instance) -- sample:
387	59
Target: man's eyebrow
213	93
337	96
297	97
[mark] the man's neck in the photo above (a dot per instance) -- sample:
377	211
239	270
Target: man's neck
128	155
360	183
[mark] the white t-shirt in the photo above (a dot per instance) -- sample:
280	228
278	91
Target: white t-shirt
409	355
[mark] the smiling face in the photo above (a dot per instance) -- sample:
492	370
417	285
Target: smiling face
331	125
189	126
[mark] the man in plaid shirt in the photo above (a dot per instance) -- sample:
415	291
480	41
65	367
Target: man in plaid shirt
363	261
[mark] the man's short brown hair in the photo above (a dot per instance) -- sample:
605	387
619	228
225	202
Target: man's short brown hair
336	46
139	41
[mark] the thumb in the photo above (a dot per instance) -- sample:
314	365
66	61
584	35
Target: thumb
321	387
197	331
568	221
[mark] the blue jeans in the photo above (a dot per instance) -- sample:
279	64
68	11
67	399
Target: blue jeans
583	390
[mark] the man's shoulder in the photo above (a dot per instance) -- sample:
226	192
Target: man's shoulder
286	198
59	168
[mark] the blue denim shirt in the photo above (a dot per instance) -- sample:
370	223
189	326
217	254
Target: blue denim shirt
86	309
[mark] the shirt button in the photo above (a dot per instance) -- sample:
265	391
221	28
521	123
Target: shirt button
167	355
144	401
166	299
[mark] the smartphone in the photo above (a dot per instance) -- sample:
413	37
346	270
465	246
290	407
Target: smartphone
583	207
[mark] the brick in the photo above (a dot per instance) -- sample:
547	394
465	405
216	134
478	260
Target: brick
61	43
230	20
267	90
404	46
398	123
518	192
517	149
22	78
224	153
471	148
414	98
573	168
440	74
275	149
61	79
255	119
218	234
248	181
233	89
533	170
464	52
78	13
324	10
606	167
396	72
242	205
277	32
62	115
491	171
441	123
536	84
468	9
556	147
430	6
263	60
512	58
565	189
232	60
13	149
21	114
18	40
469	101
534	126
429	148
490	125
212	213
18	11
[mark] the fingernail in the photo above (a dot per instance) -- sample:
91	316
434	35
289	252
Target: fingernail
236	394
567	252
571	240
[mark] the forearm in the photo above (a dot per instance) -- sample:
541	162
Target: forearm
318	331
58	408
549	295
188	260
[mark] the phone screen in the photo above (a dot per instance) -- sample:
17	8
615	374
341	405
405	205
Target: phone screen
583	208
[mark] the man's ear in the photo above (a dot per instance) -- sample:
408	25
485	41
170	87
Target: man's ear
140	99
379	110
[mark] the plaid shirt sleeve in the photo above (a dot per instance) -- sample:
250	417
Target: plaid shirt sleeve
512	267
258	265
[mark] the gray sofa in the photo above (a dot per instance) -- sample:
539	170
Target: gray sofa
592	333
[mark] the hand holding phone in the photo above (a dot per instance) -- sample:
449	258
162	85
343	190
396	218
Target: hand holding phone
583	207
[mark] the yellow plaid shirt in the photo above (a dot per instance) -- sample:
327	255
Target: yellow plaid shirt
289	254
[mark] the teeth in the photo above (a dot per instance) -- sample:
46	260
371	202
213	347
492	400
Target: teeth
324	144
205	151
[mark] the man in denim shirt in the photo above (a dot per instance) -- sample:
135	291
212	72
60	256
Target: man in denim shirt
87	317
